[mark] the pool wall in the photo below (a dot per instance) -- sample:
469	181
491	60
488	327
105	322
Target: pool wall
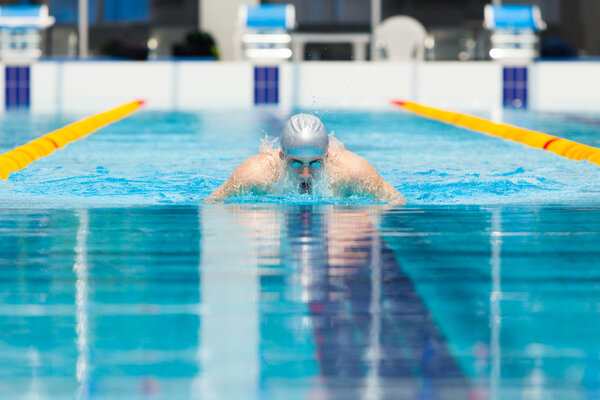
87	86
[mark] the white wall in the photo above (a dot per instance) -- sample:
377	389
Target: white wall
214	85
460	85
45	96
94	86
352	85
566	86
170	85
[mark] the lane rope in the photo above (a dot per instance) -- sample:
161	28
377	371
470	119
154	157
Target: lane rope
22	156
539	140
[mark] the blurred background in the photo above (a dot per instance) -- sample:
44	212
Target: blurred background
146	29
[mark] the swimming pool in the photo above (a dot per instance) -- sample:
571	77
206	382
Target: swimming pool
118	282
179	158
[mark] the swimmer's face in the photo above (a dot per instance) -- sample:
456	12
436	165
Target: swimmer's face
304	170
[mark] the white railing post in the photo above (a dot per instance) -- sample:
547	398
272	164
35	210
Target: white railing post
375	20
82	27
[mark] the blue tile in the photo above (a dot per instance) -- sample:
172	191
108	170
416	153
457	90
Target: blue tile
519	74
272	74
515	87
508	97
9	81
23	87
271	96
17	87
257	96
262	74
256	74
266	85
257	85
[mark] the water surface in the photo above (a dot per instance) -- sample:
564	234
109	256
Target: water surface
305	301
117	282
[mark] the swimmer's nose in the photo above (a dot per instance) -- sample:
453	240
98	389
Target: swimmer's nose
305	172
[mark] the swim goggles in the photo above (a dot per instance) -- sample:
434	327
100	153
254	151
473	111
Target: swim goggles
299	164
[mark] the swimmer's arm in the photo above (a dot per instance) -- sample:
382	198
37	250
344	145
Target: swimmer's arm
369	182
222	192
246	177
389	194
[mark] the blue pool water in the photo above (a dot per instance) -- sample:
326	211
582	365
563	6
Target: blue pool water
117	282
178	158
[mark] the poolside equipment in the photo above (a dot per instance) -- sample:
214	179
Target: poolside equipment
562	147
263	32
20	31
400	38
514	31
358	41
304	136
20	45
24	155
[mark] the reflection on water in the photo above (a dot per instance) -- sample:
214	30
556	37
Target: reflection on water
307	302
94	297
374	337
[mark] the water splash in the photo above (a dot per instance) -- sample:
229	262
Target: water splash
268	144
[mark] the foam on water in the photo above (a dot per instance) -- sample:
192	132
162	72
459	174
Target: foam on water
154	158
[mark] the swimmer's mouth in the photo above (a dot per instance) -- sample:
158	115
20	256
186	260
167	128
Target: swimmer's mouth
305	187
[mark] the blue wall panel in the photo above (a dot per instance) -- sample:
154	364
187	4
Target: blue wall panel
126	11
16	81
515	87
66	11
266	85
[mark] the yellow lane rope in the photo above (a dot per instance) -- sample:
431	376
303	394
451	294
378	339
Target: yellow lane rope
24	155
539	140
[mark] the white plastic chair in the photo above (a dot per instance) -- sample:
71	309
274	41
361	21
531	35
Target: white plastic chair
400	38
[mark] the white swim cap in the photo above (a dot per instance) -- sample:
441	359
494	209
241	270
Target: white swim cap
304	136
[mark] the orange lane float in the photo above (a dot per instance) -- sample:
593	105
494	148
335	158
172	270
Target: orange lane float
539	140
24	155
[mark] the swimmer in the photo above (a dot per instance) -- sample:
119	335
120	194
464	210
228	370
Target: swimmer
307	156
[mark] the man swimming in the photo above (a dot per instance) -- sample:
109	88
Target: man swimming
307	157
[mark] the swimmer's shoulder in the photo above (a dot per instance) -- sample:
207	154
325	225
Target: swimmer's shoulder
351	163
258	167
